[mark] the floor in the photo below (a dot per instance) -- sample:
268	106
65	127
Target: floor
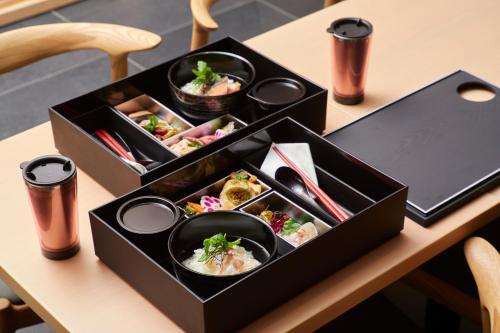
26	94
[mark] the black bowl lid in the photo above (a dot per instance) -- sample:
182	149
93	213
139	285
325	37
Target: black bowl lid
278	91
49	170
147	215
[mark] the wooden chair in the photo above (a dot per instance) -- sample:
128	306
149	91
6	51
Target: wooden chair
203	23
328	3
24	46
484	262
14	314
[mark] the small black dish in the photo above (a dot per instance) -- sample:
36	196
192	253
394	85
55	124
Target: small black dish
147	215
256	236
277	92
222	63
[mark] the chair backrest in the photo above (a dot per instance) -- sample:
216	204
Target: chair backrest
23	46
484	262
328	3
203	23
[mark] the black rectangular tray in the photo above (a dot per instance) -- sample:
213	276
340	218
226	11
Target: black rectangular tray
376	202
444	147
74	121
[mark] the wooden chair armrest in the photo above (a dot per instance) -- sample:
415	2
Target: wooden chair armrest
484	262
200	10
26	45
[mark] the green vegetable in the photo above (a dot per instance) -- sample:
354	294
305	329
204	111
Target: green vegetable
290	227
153	121
216	245
242	176
229	128
195	144
190	211
205	75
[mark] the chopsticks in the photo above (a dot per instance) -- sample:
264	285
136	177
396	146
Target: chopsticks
329	204
114	145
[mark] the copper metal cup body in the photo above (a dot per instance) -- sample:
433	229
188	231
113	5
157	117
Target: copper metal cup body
55	212
349	62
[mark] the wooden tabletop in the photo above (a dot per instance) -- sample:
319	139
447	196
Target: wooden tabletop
415	43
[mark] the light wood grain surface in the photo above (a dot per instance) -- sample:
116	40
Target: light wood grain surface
415	42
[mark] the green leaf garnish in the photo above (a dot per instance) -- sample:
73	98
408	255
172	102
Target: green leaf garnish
290	227
195	144
153	122
205	75
190	211
215	246
242	176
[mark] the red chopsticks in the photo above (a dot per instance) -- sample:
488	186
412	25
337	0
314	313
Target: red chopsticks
114	145
330	205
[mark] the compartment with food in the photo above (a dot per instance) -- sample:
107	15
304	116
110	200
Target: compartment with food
202	135
211	82
288	221
150	91
220	247
198	301
225	194
154	117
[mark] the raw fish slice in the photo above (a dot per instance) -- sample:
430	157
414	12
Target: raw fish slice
233	87
218	89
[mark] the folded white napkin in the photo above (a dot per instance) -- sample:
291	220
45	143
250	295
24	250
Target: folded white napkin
298	153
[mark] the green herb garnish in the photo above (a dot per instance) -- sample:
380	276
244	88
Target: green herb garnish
195	144
242	176
190	211
215	246
205	75
153	122
290	227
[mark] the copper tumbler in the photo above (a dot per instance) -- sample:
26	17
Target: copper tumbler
51	185
350	46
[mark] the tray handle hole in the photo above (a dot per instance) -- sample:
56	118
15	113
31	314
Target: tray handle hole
476	92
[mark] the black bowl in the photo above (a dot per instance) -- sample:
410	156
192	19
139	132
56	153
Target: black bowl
256	236
223	63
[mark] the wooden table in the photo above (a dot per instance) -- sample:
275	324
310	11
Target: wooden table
415	42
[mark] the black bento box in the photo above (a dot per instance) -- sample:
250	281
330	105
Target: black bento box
374	201
74	122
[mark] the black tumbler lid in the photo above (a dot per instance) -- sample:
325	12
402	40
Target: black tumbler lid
49	170
350	28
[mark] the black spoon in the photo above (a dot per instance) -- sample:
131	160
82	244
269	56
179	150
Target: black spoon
292	180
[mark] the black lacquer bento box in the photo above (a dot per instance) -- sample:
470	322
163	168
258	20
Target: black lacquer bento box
374	202
76	122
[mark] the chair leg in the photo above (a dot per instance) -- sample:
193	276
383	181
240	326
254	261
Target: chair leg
6	318
13	317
